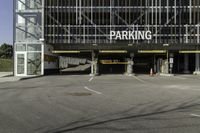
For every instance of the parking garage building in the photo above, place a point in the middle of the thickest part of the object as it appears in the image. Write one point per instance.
(106, 36)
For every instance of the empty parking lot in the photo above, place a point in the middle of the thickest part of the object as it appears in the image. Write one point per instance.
(106, 103)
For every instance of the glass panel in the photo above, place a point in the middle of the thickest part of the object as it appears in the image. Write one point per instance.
(20, 63)
(21, 5)
(28, 4)
(34, 63)
(21, 47)
(20, 35)
(33, 47)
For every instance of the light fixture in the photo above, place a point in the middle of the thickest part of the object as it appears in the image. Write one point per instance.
(152, 51)
(65, 51)
(112, 51)
(189, 51)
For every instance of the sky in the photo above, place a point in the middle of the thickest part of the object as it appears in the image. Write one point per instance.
(6, 21)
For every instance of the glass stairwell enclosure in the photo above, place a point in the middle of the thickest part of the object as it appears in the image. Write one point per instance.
(27, 35)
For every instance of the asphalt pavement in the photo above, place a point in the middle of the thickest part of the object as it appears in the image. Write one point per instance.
(106, 103)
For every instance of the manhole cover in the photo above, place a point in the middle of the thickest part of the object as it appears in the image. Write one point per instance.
(79, 94)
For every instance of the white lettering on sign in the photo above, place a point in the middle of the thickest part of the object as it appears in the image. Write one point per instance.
(130, 35)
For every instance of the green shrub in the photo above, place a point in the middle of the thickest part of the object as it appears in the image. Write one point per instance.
(6, 65)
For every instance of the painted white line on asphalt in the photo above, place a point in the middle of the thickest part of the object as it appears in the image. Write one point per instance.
(91, 79)
(139, 79)
(188, 89)
(179, 77)
(92, 90)
(195, 115)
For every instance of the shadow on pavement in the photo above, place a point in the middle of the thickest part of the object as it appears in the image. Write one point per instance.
(66, 129)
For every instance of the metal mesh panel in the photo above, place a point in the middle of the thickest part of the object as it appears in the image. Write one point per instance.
(90, 21)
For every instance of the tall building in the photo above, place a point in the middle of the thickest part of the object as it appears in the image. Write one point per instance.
(127, 36)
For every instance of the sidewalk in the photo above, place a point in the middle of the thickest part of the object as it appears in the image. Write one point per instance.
(6, 74)
(8, 77)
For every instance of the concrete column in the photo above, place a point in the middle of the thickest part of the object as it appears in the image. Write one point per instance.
(197, 64)
(94, 65)
(129, 68)
(171, 62)
(186, 64)
(167, 65)
(159, 65)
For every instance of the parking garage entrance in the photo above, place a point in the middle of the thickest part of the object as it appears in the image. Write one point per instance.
(142, 63)
(122, 63)
(112, 63)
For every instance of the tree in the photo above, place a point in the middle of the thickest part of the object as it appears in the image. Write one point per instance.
(6, 51)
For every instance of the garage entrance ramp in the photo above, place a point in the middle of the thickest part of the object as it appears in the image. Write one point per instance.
(73, 64)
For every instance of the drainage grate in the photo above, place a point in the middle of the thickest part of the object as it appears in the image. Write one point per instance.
(79, 94)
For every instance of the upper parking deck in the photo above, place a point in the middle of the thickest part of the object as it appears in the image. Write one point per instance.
(90, 21)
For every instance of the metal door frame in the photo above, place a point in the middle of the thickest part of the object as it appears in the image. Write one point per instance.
(25, 63)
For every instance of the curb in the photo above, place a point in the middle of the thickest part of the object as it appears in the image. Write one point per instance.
(31, 77)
